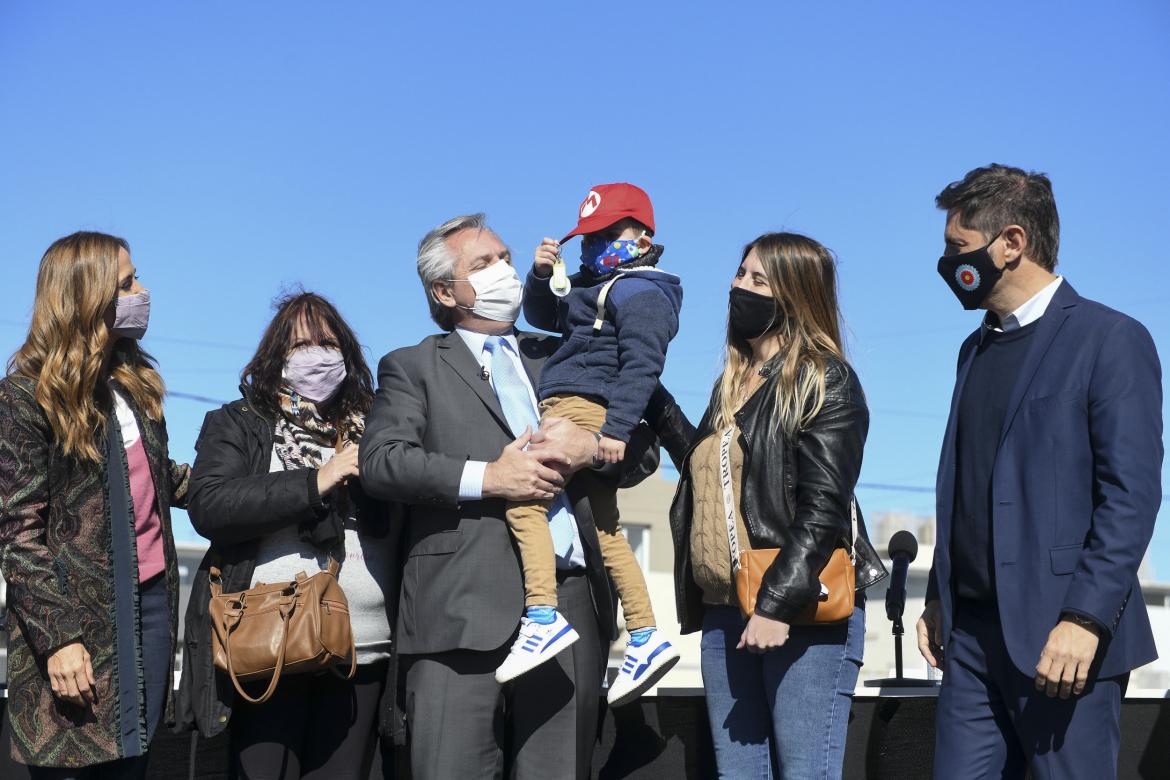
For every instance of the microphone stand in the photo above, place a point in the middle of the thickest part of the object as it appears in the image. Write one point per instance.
(898, 681)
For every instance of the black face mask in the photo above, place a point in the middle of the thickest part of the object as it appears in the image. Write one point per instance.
(751, 315)
(971, 275)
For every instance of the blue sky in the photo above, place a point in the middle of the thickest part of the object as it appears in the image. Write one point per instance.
(242, 147)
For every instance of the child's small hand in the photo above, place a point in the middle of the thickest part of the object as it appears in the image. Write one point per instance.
(611, 450)
(544, 257)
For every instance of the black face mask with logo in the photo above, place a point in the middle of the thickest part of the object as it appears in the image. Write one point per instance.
(751, 315)
(971, 275)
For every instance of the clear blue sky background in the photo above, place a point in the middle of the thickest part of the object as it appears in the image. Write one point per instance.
(245, 146)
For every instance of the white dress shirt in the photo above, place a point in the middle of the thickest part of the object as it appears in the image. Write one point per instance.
(1030, 311)
(471, 481)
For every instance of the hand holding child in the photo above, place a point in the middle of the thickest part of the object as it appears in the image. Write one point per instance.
(545, 255)
(611, 450)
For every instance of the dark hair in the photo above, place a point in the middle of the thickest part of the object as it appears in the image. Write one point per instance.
(624, 223)
(263, 372)
(989, 199)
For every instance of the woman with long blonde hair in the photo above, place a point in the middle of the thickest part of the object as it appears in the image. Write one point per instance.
(777, 453)
(86, 486)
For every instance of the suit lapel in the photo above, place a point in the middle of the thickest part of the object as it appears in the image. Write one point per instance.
(454, 352)
(1046, 329)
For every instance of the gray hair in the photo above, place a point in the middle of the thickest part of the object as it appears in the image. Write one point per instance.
(437, 264)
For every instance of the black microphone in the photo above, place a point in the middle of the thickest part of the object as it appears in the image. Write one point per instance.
(484, 373)
(902, 550)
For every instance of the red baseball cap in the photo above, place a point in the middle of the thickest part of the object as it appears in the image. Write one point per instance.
(609, 203)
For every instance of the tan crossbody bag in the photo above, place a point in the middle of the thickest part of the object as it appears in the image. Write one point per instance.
(284, 628)
(838, 579)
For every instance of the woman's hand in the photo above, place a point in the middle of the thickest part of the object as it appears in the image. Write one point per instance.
(763, 634)
(340, 467)
(71, 674)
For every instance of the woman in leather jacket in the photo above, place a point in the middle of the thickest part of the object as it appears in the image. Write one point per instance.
(786, 422)
(276, 489)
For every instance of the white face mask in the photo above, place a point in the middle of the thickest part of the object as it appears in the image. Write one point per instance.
(498, 292)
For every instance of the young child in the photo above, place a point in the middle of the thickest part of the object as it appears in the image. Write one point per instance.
(617, 316)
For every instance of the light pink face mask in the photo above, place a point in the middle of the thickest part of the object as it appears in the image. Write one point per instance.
(131, 315)
(315, 373)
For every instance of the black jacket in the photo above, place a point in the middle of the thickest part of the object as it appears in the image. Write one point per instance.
(795, 494)
(234, 502)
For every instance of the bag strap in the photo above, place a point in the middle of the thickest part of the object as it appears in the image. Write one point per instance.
(729, 504)
(853, 526)
(285, 611)
(352, 661)
(728, 496)
(601, 297)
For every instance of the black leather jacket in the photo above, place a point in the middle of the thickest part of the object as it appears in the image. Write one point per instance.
(235, 501)
(795, 495)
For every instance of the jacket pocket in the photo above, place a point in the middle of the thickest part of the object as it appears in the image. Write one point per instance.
(440, 543)
(1065, 557)
(1074, 395)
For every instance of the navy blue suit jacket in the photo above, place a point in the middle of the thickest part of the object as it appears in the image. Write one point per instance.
(1076, 484)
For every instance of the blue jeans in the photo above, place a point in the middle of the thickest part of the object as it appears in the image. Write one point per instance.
(784, 713)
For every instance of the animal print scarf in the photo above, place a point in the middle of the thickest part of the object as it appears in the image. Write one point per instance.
(301, 435)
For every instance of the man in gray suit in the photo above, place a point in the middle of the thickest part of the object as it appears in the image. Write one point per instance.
(438, 441)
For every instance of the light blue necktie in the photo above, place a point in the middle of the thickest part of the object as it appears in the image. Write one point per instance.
(512, 392)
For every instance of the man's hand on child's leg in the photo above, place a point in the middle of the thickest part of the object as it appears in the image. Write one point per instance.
(611, 450)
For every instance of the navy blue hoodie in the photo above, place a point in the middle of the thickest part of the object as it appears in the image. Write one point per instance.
(621, 364)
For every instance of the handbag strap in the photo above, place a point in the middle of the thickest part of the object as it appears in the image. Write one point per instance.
(728, 496)
(285, 610)
(729, 504)
(853, 527)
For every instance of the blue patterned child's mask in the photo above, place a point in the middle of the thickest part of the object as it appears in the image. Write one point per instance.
(601, 256)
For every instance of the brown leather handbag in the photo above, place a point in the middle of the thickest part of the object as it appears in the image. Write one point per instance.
(838, 578)
(284, 628)
(838, 585)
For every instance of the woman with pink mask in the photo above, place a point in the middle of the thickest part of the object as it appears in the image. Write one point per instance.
(276, 489)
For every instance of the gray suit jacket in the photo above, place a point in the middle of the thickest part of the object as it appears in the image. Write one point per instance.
(462, 586)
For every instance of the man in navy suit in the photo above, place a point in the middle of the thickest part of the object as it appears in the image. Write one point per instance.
(1048, 486)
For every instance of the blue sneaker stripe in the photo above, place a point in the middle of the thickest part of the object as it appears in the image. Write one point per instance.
(563, 631)
(642, 669)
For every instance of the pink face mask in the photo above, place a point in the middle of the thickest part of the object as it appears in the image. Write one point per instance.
(315, 373)
(131, 315)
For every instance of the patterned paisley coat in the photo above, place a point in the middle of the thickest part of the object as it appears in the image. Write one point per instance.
(57, 554)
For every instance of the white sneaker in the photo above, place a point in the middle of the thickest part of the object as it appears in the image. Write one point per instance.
(641, 669)
(537, 643)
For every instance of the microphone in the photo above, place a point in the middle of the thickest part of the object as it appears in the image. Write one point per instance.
(902, 550)
(484, 374)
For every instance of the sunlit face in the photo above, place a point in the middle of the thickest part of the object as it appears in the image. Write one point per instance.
(127, 284)
(473, 250)
(303, 337)
(959, 239)
(624, 230)
(751, 275)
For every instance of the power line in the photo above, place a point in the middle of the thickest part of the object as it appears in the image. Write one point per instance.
(193, 397)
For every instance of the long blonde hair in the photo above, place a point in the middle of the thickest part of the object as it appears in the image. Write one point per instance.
(64, 352)
(803, 278)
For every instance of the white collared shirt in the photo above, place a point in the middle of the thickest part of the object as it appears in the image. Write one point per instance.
(1030, 311)
(471, 481)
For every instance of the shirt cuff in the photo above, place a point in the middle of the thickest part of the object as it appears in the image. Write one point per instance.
(471, 482)
(1104, 629)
